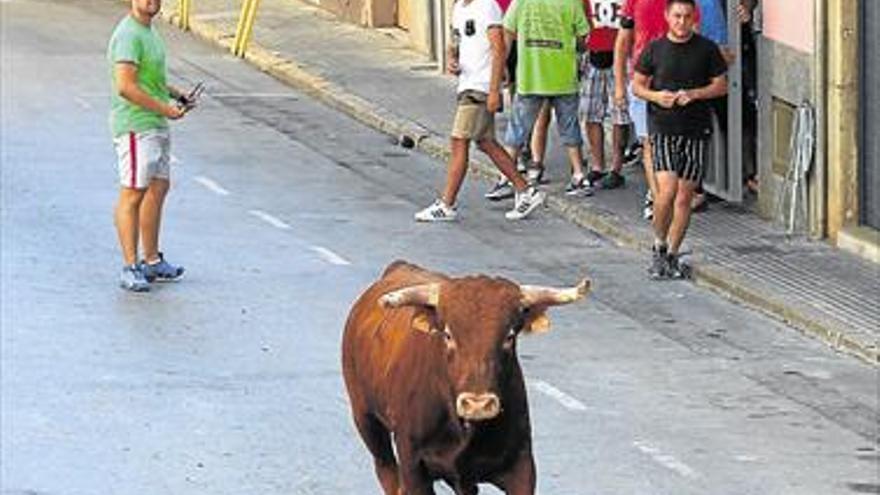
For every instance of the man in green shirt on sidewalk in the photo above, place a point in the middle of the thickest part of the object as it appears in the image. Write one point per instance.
(549, 34)
(141, 105)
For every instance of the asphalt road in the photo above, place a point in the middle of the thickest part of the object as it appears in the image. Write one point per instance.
(283, 211)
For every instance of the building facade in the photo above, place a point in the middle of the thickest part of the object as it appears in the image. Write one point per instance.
(821, 55)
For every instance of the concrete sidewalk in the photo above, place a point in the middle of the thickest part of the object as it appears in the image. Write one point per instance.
(372, 76)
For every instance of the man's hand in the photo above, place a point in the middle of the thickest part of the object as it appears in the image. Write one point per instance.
(452, 66)
(743, 13)
(620, 95)
(174, 112)
(667, 99)
(493, 102)
(684, 97)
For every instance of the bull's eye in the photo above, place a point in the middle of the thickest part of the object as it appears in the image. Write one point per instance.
(510, 338)
(447, 336)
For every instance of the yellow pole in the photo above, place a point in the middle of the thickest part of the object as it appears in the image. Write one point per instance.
(245, 27)
(184, 11)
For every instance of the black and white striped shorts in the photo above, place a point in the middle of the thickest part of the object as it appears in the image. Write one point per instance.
(684, 155)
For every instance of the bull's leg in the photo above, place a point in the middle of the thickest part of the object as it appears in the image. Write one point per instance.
(413, 479)
(521, 478)
(378, 440)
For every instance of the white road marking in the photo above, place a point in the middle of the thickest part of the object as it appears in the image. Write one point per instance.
(329, 256)
(566, 400)
(271, 220)
(666, 460)
(211, 185)
(175, 160)
(79, 100)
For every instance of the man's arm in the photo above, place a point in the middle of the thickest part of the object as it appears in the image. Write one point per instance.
(641, 85)
(127, 87)
(622, 45)
(715, 89)
(499, 55)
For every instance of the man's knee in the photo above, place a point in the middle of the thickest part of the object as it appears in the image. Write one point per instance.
(487, 144)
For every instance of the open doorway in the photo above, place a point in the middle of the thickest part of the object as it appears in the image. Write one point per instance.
(733, 162)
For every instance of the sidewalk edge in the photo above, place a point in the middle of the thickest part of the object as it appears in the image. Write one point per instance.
(711, 276)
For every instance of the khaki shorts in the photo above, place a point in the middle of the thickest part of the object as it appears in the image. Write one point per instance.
(142, 157)
(473, 121)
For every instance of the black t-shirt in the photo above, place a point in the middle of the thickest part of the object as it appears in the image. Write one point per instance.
(674, 66)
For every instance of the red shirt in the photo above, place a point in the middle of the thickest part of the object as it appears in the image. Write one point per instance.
(650, 23)
(604, 18)
(503, 4)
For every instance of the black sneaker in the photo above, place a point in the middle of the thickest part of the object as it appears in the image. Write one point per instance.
(613, 180)
(632, 154)
(595, 176)
(659, 268)
(676, 268)
(579, 187)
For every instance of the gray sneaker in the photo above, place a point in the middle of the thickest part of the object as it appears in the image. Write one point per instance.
(502, 189)
(132, 279)
(161, 271)
(659, 268)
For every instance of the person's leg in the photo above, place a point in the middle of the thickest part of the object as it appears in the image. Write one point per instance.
(681, 216)
(617, 136)
(150, 218)
(566, 109)
(503, 161)
(691, 156)
(596, 138)
(539, 134)
(126, 216)
(456, 170)
(665, 151)
(664, 201)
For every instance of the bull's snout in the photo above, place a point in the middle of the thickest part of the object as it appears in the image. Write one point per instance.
(476, 407)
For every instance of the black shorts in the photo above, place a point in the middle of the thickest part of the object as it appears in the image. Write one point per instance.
(683, 155)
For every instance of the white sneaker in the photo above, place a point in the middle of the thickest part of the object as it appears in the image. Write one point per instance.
(648, 206)
(437, 212)
(525, 203)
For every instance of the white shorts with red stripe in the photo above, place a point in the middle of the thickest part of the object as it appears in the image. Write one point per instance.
(142, 157)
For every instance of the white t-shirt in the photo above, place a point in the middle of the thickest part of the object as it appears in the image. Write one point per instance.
(470, 24)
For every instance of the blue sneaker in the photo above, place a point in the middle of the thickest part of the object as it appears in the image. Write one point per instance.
(132, 279)
(161, 271)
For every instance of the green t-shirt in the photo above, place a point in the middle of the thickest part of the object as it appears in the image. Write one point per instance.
(141, 45)
(547, 33)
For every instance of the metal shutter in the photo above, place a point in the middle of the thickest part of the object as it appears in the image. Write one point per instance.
(870, 142)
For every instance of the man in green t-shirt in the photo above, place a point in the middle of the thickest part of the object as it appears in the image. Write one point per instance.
(549, 34)
(140, 107)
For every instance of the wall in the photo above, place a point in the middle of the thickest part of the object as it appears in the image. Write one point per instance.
(788, 74)
(372, 13)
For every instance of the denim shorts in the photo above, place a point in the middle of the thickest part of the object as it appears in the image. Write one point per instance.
(638, 112)
(526, 109)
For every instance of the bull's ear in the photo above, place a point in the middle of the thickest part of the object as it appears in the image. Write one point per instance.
(537, 322)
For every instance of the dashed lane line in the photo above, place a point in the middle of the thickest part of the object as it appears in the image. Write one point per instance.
(666, 460)
(566, 400)
(329, 256)
(270, 219)
(211, 185)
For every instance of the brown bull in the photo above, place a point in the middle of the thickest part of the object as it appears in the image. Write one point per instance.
(432, 373)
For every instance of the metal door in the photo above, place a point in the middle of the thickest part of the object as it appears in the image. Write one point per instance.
(724, 177)
(869, 173)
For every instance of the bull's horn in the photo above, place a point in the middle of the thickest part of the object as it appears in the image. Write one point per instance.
(533, 295)
(422, 295)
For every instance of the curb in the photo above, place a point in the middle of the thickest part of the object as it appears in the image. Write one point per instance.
(714, 277)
